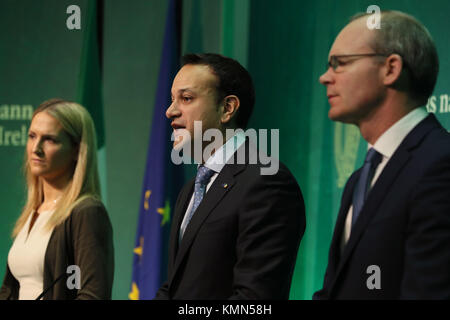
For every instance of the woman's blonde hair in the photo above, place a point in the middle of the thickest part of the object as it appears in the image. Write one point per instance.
(77, 123)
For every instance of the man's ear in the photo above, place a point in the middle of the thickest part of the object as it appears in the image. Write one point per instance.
(231, 105)
(392, 69)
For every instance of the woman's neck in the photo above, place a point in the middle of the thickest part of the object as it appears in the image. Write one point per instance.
(54, 189)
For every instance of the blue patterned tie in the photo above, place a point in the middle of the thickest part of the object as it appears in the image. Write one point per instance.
(204, 174)
(362, 187)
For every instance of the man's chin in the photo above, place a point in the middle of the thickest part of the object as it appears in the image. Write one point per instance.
(178, 145)
(183, 142)
(335, 115)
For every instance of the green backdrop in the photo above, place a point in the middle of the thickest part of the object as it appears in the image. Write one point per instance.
(283, 43)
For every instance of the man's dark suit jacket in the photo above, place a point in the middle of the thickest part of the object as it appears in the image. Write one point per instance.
(403, 228)
(241, 242)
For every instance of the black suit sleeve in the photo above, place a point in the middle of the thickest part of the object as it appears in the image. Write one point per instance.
(163, 292)
(322, 294)
(427, 252)
(271, 225)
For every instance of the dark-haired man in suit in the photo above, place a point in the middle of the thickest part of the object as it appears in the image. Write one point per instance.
(235, 231)
(392, 234)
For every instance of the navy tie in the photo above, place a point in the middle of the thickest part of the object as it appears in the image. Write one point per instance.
(204, 174)
(362, 187)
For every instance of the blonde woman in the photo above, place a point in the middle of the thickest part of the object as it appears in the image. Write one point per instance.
(63, 245)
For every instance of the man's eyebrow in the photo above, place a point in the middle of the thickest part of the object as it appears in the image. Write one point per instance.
(186, 90)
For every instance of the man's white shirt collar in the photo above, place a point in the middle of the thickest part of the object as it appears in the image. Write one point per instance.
(389, 141)
(218, 160)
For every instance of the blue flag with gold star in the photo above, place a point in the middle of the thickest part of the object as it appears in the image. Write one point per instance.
(161, 177)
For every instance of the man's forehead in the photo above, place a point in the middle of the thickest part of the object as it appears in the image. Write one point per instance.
(196, 72)
(194, 78)
(354, 38)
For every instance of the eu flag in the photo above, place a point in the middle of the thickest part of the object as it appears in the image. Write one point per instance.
(160, 181)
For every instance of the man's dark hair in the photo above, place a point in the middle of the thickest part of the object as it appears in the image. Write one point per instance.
(233, 79)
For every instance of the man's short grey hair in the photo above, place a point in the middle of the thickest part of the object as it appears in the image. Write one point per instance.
(404, 35)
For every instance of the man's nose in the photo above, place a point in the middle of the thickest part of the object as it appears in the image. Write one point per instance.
(327, 77)
(172, 111)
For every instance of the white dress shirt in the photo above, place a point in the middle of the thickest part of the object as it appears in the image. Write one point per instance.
(386, 145)
(216, 163)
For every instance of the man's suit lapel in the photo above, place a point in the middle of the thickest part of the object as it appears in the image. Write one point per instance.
(374, 199)
(223, 184)
(178, 216)
(346, 201)
(380, 188)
